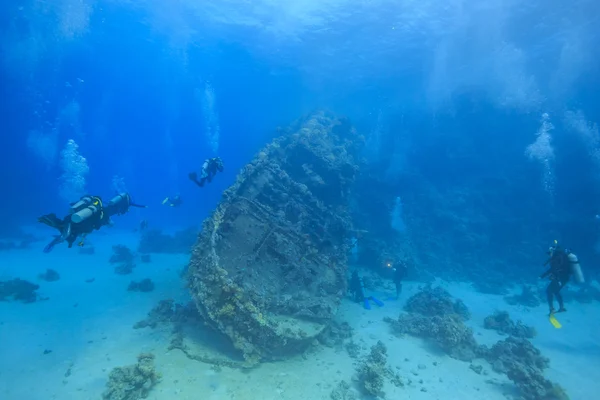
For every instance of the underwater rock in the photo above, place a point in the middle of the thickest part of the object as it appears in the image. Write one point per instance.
(527, 298)
(436, 301)
(145, 285)
(500, 321)
(132, 382)
(49, 276)
(18, 290)
(524, 365)
(269, 267)
(155, 241)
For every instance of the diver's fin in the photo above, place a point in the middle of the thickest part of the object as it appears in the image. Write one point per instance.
(554, 321)
(57, 239)
(51, 220)
(377, 301)
(366, 303)
(165, 200)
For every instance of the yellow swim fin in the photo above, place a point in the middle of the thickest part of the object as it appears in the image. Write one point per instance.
(554, 321)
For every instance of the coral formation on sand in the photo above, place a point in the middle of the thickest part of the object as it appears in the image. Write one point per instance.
(514, 356)
(287, 219)
(132, 382)
(49, 276)
(448, 332)
(435, 315)
(372, 372)
(124, 258)
(18, 290)
(436, 301)
(145, 285)
(524, 365)
(500, 321)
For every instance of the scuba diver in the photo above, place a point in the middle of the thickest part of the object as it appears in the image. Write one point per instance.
(208, 171)
(174, 201)
(399, 275)
(358, 294)
(563, 263)
(86, 215)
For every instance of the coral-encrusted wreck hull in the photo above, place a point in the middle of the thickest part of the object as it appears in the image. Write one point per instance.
(269, 268)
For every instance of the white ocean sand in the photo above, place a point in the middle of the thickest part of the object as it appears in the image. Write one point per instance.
(88, 329)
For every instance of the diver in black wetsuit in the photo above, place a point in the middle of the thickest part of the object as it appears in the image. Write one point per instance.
(356, 289)
(559, 273)
(208, 171)
(399, 275)
(86, 215)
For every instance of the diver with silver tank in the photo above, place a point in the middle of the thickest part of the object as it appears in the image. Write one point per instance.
(86, 215)
(562, 265)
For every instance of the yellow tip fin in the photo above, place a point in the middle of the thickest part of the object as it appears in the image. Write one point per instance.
(554, 321)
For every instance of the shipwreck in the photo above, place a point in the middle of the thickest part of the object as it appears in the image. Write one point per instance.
(269, 268)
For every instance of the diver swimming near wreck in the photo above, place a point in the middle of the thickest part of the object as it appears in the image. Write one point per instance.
(86, 215)
(208, 171)
(563, 263)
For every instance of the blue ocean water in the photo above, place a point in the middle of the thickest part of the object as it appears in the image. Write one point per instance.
(482, 117)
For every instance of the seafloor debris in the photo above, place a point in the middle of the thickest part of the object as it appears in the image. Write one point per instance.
(132, 382)
(145, 285)
(501, 322)
(524, 365)
(18, 290)
(49, 276)
(155, 241)
(269, 268)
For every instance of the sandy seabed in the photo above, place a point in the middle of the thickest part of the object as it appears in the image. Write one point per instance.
(86, 330)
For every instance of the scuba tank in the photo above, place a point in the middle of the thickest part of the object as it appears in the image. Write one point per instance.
(85, 208)
(84, 214)
(83, 202)
(576, 268)
(118, 204)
